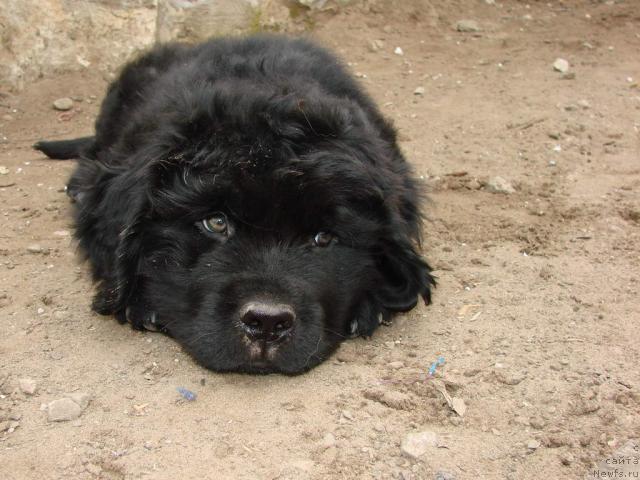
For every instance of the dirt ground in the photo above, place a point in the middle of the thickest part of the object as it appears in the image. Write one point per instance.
(536, 312)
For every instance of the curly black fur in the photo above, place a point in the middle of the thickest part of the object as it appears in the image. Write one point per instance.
(275, 135)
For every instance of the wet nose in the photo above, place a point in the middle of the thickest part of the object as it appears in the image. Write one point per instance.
(267, 321)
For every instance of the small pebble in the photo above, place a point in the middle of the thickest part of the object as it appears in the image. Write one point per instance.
(35, 248)
(444, 476)
(398, 51)
(467, 26)
(584, 104)
(376, 45)
(63, 104)
(533, 444)
(419, 91)
(509, 378)
(396, 365)
(566, 458)
(499, 185)
(27, 385)
(63, 410)
(561, 65)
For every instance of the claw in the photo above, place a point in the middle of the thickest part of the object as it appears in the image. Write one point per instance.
(150, 322)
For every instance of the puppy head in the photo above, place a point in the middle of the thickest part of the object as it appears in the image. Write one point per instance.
(264, 231)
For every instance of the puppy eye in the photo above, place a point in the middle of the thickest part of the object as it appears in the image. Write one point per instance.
(322, 239)
(217, 223)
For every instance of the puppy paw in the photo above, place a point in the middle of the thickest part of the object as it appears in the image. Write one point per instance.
(368, 318)
(142, 319)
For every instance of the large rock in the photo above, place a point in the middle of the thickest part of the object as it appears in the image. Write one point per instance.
(44, 37)
(195, 20)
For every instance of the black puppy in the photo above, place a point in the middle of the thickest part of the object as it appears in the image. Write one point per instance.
(246, 197)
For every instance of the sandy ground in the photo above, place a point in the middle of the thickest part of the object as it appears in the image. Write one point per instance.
(536, 313)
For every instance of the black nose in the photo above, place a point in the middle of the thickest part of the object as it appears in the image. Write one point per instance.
(267, 321)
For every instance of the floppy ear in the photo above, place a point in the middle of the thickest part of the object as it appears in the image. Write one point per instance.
(406, 276)
(114, 244)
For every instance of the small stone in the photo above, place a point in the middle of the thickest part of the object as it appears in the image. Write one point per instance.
(376, 45)
(398, 51)
(63, 410)
(35, 248)
(561, 65)
(533, 444)
(63, 104)
(348, 415)
(81, 398)
(7, 117)
(467, 26)
(3, 170)
(396, 365)
(12, 427)
(27, 385)
(509, 378)
(61, 233)
(584, 104)
(419, 91)
(566, 458)
(499, 185)
(444, 476)
(417, 444)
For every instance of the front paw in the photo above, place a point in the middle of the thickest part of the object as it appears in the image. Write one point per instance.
(141, 318)
(367, 318)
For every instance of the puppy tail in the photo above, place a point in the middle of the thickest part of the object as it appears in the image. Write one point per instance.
(65, 149)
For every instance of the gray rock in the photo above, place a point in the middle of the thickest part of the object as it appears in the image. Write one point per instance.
(27, 385)
(419, 91)
(561, 65)
(376, 45)
(63, 104)
(468, 26)
(68, 408)
(35, 248)
(509, 378)
(533, 444)
(81, 398)
(417, 444)
(499, 185)
(444, 476)
(63, 410)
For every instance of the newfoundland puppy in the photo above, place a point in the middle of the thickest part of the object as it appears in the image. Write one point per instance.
(246, 197)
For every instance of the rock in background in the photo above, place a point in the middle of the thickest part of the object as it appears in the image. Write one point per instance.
(45, 37)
